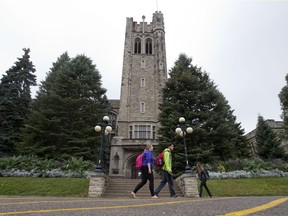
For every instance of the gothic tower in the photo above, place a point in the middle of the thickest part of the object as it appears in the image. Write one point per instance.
(144, 75)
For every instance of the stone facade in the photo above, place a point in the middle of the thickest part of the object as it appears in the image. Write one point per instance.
(277, 126)
(144, 74)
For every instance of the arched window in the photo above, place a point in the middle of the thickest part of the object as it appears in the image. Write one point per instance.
(142, 107)
(142, 82)
(148, 46)
(113, 118)
(115, 170)
(116, 161)
(142, 63)
(137, 46)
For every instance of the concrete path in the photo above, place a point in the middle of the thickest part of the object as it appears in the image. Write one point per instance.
(51, 206)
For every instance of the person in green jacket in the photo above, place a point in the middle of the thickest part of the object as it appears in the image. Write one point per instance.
(167, 173)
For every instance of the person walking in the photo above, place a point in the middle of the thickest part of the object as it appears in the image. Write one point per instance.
(146, 172)
(203, 176)
(167, 175)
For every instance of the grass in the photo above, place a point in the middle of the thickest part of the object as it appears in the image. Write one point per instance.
(78, 187)
(265, 186)
(25, 186)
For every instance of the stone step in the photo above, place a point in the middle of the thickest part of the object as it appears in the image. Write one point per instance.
(123, 188)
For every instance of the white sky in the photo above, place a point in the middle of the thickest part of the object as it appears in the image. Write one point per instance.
(242, 45)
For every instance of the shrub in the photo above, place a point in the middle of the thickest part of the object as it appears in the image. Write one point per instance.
(35, 167)
(231, 165)
(247, 165)
(221, 168)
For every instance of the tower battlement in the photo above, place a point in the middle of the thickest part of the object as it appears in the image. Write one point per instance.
(156, 24)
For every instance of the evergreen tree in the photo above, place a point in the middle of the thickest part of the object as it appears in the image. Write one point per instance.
(67, 107)
(15, 97)
(191, 94)
(283, 96)
(267, 142)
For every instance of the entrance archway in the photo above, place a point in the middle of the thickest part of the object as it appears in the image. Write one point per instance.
(136, 173)
(131, 171)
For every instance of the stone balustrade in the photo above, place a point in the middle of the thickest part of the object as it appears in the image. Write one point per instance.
(188, 185)
(97, 185)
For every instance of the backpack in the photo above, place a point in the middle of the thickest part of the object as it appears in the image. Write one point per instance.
(160, 160)
(139, 161)
(204, 175)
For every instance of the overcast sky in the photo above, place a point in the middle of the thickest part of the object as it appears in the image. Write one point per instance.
(242, 45)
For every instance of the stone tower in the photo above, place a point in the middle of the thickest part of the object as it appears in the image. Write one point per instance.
(144, 75)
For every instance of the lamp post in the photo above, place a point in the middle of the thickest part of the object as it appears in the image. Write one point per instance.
(182, 129)
(104, 124)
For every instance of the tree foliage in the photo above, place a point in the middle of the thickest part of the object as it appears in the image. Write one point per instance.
(67, 107)
(15, 98)
(283, 96)
(267, 142)
(190, 93)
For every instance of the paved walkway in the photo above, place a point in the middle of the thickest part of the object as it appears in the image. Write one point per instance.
(228, 206)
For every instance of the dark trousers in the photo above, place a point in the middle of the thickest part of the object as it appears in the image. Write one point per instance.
(203, 184)
(167, 177)
(145, 176)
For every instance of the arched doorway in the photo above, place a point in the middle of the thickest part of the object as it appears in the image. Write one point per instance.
(131, 171)
(136, 173)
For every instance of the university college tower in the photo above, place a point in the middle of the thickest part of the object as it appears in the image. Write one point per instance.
(144, 74)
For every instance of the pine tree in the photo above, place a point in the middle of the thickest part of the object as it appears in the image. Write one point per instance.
(67, 107)
(15, 98)
(267, 142)
(283, 96)
(189, 93)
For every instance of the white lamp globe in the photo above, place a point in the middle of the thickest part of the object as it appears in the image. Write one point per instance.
(108, 129)
(178, 130)
(181, 119)
(106, 132)
(189, 130)
(97, 128)
(182, 134)
(106, 118)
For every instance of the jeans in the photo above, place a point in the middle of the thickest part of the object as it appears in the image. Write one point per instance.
(167, 177)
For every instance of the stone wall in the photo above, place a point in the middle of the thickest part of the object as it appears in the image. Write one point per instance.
(97, 184)
(188, 185)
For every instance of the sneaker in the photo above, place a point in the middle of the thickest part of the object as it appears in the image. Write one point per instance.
(175, 196)
(154, 197)
(133, 195)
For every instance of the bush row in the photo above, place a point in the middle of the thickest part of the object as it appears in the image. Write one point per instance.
(77, 167)
(247, 174)
(252, 165)
(35, 167)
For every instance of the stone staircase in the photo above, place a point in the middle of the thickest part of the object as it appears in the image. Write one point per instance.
(123, 187)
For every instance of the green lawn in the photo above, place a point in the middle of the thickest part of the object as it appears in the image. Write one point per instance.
(265, 186)
(25, 186)
(77, 187)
